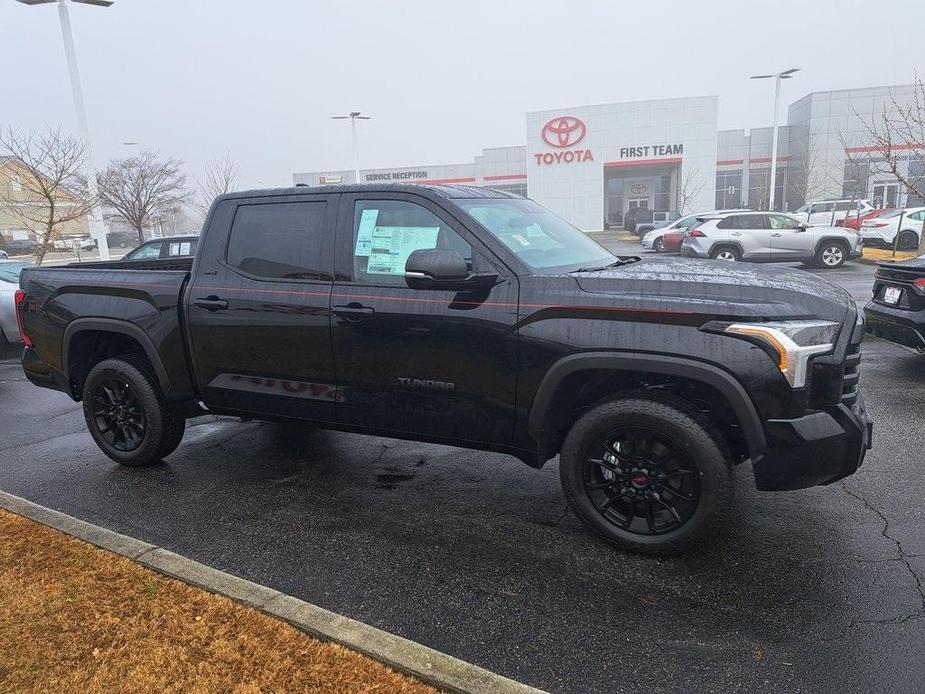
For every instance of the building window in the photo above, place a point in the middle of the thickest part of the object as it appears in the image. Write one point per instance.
(857, 176)
(759, 191)
(728, 189)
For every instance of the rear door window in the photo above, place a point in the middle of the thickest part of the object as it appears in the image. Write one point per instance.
(278, 241)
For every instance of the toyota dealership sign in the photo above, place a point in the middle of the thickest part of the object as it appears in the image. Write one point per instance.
(562, 133)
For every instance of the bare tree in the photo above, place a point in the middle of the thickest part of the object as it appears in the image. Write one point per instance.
(52, 192)
(140, 189)
(689, 189)
(897, 137)
(220, 177)
(806, 179)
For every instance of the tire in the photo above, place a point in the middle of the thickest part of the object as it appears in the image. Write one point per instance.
(696, 444)
(908, 240)
(726, 253)
(125, 412)
(831, 254)
(659, 246)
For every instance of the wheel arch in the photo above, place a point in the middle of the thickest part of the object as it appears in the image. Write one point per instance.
(555, 394)
(832, 239)
(87, 337)
(727, 244)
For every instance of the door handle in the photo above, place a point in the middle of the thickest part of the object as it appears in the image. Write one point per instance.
(736, 233)
(777, 233)
(354, 311)
(211, 303)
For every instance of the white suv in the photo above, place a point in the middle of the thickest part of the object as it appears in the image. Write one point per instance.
(828, 212)
(770, 237)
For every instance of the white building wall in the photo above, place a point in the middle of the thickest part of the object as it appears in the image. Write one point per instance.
(575, 190)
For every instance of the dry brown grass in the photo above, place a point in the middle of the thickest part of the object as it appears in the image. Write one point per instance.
(883, 254)
(77, 618)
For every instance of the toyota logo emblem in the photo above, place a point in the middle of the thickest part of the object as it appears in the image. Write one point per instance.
(563, 131)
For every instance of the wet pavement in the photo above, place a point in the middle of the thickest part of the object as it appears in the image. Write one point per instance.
(476, 555)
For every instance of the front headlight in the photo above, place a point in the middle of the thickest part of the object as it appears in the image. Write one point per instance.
(794, 342)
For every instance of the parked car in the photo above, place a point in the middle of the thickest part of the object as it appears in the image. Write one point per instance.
(668, 238)
(647, 220)
(629, 219)
(828, 212)
(9, 283)
(770, 237)
(881, 231)
(854, 220)
(897, 310)
(167, 247)
(448, 314)
(20, 247)
(122, 239)
(80, 243)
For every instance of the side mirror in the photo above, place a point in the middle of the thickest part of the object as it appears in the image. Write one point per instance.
(444, 270)
(802, 227)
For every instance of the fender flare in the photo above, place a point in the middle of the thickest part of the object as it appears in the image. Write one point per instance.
(121, 327)
(717, 378)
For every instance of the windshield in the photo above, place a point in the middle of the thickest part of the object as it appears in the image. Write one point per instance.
(9, 271)
(536, 236)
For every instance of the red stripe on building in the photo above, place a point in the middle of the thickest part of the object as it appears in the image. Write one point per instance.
(444, 180)
(766, 160)
(729, 162)
(877, 148)
(642, 162)
(506, 177)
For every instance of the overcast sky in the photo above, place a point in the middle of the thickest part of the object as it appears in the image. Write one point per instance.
(258, 79)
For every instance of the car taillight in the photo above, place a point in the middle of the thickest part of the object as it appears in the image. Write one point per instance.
(18, 298)
(919, 282)
(696, 233)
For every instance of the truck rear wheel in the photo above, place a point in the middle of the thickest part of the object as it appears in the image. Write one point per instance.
(648, 473)
(125, 412)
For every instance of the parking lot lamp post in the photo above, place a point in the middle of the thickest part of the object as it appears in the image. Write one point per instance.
(785, 75)
(97, 230)
(354, 116)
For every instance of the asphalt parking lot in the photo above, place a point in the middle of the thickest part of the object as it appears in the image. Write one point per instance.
(476, 555)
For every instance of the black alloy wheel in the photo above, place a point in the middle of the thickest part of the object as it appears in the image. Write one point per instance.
(642, 481)
(120, 418)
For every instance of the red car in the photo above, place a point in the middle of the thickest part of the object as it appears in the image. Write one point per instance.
(855, 222)
(672, 240)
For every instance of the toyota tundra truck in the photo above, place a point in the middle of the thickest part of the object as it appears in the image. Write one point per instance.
(475, 318)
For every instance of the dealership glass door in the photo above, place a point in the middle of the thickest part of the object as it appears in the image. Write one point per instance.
(640, 203)
(885, 195)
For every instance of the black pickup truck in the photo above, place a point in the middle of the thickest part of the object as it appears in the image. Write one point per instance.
(475, 318)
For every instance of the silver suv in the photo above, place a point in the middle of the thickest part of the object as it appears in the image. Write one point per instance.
(770, 237)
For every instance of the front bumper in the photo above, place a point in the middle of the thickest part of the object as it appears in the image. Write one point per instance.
(819, 448)
(902, 326)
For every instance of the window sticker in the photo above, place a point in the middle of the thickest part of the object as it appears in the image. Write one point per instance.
(174, 249)
(365, 232)
(184, 248)
(391, 246)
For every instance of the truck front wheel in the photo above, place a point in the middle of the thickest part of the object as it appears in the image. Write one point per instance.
(125, 412)
(648, 473)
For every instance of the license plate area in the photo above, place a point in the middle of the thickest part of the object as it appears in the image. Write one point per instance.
(892, 295)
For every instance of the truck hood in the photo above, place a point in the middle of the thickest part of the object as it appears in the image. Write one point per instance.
(720, 289)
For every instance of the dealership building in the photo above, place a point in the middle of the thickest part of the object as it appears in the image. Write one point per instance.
(590, 164)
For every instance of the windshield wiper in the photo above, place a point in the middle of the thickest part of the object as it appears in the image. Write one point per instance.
(623, 260)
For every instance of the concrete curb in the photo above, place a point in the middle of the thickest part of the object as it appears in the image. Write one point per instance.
(426, 664)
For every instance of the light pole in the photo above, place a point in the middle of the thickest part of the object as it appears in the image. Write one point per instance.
(97, 230)
(354, 116)
(785, 75)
